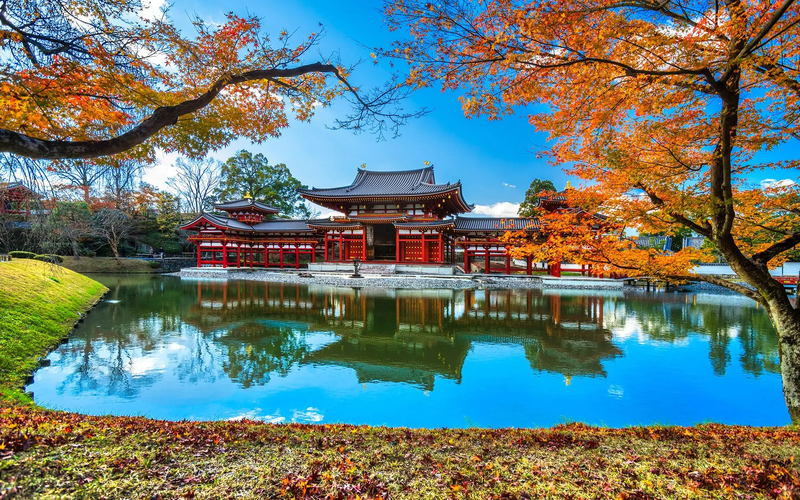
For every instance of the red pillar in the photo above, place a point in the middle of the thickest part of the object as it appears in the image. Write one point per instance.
(238, 255)
(296, 257)
(326, 247)
(198, 254)
(364, 243)
(224, 253)
(341, 246)
(528, 262)
(466, 259)
(508, 263)
(424, 248)
(397, 251)
(280, 246)
(266, 256)
(441, 248)
(487, 259)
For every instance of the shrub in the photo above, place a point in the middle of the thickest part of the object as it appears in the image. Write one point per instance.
(19, 254)
(49, 257)
(153, 264)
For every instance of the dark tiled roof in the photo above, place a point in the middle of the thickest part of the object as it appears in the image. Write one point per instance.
(283, 226)
(424, 224)
(247, 203)
(396, 183)
(221, 222)
(491, 224)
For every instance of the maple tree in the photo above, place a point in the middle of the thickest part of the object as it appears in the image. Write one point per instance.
(91, 78)
(662, 107)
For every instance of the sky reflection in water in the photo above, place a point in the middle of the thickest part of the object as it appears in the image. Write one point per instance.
(178, 349)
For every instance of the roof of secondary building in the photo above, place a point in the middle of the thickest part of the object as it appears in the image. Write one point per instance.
(425, 224)
(390, 184)
(496, 224)
(247, 204)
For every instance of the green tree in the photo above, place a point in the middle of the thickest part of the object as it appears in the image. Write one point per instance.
(168, 213)
(248, 174)
(528, 207)
(72, 221)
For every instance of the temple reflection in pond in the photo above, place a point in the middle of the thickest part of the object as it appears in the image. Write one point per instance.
(407, 336)
(172, 348)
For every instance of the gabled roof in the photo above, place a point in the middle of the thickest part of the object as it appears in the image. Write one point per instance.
(390, 184)
(495, 224)
(15, 186)
(220, 222)
(247, 204)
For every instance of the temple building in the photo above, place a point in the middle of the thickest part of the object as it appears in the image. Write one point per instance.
(18, 199)
(393, 217)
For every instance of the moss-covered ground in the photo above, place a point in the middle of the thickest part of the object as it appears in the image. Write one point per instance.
(51, 454)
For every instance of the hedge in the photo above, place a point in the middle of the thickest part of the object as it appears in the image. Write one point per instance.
(48, 257)
(19, 254)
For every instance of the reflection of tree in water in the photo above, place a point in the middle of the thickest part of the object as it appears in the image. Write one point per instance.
(672, 318)
(572, 353)
(110, 352)
(255, 351)
(250, 331)
(377, 358)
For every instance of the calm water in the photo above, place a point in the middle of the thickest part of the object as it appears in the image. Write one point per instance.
(185, 349)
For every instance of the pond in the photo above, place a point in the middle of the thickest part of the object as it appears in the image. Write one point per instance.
(172, 348)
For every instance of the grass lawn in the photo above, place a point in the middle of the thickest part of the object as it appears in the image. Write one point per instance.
(39, 303)
(52, 454)
(107, 265)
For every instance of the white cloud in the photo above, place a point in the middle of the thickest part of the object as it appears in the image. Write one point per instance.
(775, 183)
(162, 170)
(310, 416)
(152, 9)
(500, 209)
(509, 185)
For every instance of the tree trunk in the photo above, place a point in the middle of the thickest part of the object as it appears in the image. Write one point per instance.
(784, 316)
(787, 323)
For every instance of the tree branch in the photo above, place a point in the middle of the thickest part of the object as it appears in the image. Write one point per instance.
(776, 249)
(164, 116)
(736, 287)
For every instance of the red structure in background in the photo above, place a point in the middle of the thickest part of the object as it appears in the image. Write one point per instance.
(246, 238)
(399, 217)
(16, 198)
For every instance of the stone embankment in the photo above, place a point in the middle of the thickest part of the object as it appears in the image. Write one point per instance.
(390, 281)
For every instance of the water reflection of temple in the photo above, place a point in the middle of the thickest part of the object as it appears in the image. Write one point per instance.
(412, 336)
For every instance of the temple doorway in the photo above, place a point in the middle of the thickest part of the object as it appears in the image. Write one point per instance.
(384, 242)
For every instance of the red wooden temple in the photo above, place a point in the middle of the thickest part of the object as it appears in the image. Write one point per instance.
(398, 217)
(16, 198)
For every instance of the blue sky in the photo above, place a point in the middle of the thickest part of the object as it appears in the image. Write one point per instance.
(495, 160)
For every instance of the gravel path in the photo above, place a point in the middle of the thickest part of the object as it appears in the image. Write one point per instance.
(377, 281)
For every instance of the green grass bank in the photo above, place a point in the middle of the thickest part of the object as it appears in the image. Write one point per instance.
(39, 304)
(53, 454)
